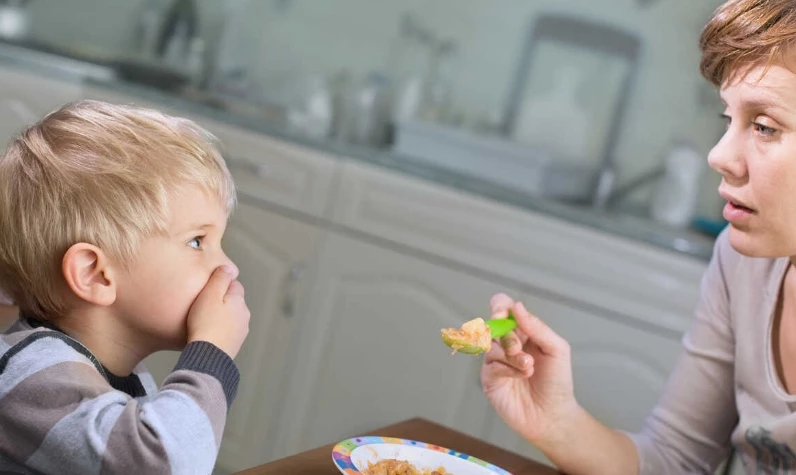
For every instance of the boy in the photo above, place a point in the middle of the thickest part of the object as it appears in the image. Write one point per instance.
(111, 221)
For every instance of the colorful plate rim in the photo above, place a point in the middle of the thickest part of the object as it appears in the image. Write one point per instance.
(341, 453)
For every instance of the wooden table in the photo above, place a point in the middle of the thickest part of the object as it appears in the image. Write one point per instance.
(319, 461)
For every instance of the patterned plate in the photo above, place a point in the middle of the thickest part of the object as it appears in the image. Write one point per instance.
(351, 456)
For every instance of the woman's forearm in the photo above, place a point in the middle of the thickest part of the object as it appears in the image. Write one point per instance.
(581, 444)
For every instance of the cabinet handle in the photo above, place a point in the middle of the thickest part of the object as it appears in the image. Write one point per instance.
(249, 167)
(292, 280)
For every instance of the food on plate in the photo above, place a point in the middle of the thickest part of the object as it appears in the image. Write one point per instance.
(400, 467)
(473, 338)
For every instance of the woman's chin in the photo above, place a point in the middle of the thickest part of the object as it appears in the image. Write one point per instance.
(751, 244)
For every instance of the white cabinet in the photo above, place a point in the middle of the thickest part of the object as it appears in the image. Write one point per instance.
(609, 297)
(637, 280)
(276, 171)
(25, 98)
(370, 348)
(274, 255)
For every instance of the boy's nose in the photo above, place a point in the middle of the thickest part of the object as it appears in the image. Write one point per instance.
(227, 262)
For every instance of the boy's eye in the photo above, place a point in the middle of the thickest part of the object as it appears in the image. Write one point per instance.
(196, 242)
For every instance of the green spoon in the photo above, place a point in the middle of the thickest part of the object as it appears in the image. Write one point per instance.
(500, 327)
(463, 342)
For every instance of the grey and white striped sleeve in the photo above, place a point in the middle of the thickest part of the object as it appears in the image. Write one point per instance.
(58, 414)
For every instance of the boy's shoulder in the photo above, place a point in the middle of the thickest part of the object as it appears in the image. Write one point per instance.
(25, 344)
(30, 351)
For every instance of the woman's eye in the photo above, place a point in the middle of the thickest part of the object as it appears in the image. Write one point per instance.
(763, 130)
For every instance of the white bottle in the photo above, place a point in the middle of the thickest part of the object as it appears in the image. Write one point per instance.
(675, 198)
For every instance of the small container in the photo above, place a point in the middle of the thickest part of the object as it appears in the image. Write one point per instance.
(14, 20)
(370, 111)
(675, 199)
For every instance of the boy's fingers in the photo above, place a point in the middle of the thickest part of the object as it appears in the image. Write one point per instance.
(235, 289)
(219, 282)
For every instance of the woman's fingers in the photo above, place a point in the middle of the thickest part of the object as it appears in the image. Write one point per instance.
(500, 305)
(539, 334)
(521, 361)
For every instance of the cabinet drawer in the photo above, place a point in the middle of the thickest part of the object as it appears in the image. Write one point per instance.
(277, 171)
(263, 167)
(573, 262)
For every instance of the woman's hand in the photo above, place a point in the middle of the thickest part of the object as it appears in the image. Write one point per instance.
(528, 376)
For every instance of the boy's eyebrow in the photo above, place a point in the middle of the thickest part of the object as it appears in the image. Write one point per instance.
(195, 227)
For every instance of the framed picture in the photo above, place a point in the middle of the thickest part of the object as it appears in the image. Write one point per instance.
(571, 87)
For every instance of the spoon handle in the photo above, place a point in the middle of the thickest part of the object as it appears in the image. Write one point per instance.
(500, 327)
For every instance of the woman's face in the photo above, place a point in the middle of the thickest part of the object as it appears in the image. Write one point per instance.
(756, 158)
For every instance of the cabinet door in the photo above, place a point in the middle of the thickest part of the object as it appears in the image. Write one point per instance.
(619, 370)
(26, 98)
(371, 353)
(273, 254)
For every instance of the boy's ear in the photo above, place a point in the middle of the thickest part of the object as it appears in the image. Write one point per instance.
(89, 274)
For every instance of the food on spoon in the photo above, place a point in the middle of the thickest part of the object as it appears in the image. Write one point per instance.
(472, 338)
(400, 467)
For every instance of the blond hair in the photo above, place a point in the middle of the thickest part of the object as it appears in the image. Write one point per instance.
(97, 173)
(743, 33)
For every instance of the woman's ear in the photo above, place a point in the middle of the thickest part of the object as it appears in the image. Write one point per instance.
(89, 274)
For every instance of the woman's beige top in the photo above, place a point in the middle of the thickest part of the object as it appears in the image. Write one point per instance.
(725, 388)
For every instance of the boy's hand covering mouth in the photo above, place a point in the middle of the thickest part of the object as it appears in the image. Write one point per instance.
(219, 314)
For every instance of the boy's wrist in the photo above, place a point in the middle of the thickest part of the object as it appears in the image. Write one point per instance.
(207, 358)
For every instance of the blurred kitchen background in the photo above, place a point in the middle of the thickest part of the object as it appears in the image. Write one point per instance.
(579, 101)
(553, 147)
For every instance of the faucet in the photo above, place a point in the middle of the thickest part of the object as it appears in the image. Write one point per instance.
(608, 196)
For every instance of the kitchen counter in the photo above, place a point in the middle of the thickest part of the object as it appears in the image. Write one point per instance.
(679, 241)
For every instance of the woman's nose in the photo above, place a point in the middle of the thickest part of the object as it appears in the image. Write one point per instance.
(726, 157)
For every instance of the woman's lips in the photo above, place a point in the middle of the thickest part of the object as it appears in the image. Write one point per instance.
(734, 212)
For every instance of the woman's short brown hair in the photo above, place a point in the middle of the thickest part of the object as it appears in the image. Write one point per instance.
(743, 33)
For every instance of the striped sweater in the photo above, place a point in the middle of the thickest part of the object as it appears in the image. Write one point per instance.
(62, 412)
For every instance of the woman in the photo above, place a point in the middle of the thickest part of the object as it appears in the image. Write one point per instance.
(735, 383)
